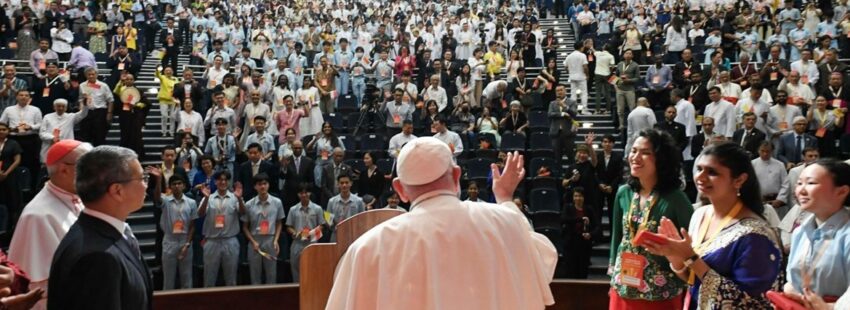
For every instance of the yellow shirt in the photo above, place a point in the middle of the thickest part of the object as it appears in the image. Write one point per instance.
(131, 35)
(166, 88)
(126, 6)
(495, 62)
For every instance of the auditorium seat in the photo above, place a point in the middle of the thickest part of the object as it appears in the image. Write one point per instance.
(545, 182)
(372, 142)
(513, 142)
(491, 154)
(544, 199)
(478, 168)
(546, 219)
(538, 162)
(538, 121)
(540, 145)
(385, 165)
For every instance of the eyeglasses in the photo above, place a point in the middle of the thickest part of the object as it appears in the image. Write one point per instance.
(145, 178)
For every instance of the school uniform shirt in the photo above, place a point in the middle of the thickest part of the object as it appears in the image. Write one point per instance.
(223, 209)
(177, 214)
(262, 215)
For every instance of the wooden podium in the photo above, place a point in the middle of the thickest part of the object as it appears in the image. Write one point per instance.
(319, 260)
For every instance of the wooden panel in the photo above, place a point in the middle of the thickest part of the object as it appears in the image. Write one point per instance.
(318, 263)
(569, 294)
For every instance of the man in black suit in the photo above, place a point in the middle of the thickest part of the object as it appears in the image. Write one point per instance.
(684, 70)
(791, 145)
(561, 114)
(98, 264)
(675, 129)
(609, 172)
(190, 88)
(330, 173)
(255, 165)
(697, 92)
(700, 141)
(299, 169)
(749, 137)
(171, 44)
(122, 61)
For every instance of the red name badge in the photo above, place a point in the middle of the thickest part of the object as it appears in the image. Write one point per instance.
(219, 221)
(324, 155)
(686, 73)
(631, 269)
(56, 132)
(264, 227)
(783, 125)
(836, 103)
(42, 64)
(324, 82)
(177, 227)
(120, 66)
(774, 76)
(396, 119)
(821, 132)
(45, 92)
(305, 233)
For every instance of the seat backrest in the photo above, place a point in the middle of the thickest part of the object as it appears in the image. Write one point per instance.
(478, 167)
(513, 142)
(537, 162)
(540, 141)
(538, 120)
(349, 142)
(385, 165)
(544, 199)
(371, 142)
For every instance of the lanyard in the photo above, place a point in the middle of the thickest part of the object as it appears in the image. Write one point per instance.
(699, 248)
(836, 94)
(647, 209)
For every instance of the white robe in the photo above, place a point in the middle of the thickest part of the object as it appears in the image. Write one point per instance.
(64, 123)
(447, 254)
(43, 224)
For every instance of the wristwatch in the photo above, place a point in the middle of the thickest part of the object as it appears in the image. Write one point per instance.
(690, 261)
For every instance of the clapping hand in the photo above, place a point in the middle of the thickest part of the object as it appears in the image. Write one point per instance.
(678, 247)
(205, 190)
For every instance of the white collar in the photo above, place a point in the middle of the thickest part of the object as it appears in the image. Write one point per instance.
(114, 222)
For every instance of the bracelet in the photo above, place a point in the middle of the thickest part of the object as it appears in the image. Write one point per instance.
(678, 270)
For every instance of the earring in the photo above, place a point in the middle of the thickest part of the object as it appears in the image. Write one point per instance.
(739, 192)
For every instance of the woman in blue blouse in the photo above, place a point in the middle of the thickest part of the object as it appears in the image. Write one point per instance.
(730, 256)
(818, 264)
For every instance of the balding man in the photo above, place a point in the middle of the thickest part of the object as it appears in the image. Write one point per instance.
(98, 265)
(49, 216)
(406, 258)
(330, 174)
(791, 145)
(59, 125)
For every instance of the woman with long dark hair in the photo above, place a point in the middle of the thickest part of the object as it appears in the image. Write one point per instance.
(730, 256)
(640, 280)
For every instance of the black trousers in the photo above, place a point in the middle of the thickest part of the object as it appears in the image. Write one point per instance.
(564, 144)
(131, 123)
(94, 127)
(31, 146)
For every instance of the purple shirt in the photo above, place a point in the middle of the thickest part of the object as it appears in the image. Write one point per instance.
(82, 58)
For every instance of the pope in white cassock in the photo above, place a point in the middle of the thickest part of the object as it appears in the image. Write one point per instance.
(444, 253)
(49, 216)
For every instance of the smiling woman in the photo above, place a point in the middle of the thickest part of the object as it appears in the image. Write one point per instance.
(640, 280)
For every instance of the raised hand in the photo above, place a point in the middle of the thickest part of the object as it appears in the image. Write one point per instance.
(505, 182)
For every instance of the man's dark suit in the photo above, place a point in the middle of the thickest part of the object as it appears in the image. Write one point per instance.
(677, 131)
(245, 175)
(95, 267)
(787, 146)
(697, 143)
(329, 180)
(561, 128)
(294, 176)
(197, 96)
(611, 175)
(754, 139)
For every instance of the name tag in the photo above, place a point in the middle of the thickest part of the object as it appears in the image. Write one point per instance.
(177, 227)
(121, 66)
(219, 221)
(632, 267)
(264, 227)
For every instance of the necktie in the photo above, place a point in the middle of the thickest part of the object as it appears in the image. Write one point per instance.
(134, 243)
(255, 168)
(798, 149)
(744, 139)
(297, 164)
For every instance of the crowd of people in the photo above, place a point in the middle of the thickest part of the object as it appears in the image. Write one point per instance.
(728, 105)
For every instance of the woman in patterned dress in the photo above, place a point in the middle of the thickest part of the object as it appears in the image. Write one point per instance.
(730, 256)
(97, 30)
(639, 279)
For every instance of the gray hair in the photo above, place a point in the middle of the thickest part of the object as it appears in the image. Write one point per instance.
(100, 168)
(71, 157)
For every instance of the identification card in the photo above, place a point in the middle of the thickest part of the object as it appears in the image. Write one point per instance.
(305, 233)
(324, 82)
(219, 221)
(732, 100)
(212, 83)
(590, 57)
(45, 92)
(396, 119)
(836, 103)
(126, 106)
(631, 269)
(686, 73)
(656, 79)
(42, 64)
(324, 155)
(264, 227)
(774, 76)
(120, 66)
(504, 104)
(783, 125)
(821, 132)
(56, 132)
(177, 227)
(691, 99)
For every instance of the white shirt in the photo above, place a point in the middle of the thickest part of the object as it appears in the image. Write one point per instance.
(397, 141)
(61, 40)
(639, 119)
(452, 139)
(64, 123)
(42, 225)
(16, 115)
(808, 69)
(405, 259)
(771, 174)
(604, 62)
(99, 92)
(759, 107)
(723, 114)
(191, 121)
(439, 95)
(575, 63)
(686, 115)
(214, 76)
(782, 115)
